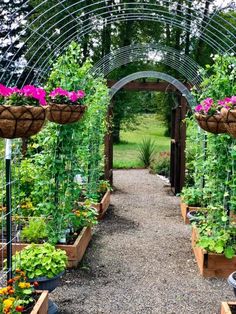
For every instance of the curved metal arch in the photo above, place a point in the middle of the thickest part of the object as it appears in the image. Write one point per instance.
(152, 52)
(153, 74)
(130, 11)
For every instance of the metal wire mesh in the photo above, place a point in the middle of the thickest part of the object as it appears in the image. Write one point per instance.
(44, 36)
(58, 24)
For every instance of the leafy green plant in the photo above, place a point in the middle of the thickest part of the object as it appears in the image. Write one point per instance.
(36, 231)
(216, 234)
(42, 260)
(147, 151)
(218, 78)
(161, 164)
(61, 152)
(192, 196)
(84, 216)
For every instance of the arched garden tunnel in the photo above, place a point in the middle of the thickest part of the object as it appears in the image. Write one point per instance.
(178, 129)
(56, 59)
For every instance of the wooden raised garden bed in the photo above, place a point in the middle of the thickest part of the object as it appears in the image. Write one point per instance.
(212, 264)
(41, 306)
(185, 209)
(103, 205)
(228, 308)
(75, 252)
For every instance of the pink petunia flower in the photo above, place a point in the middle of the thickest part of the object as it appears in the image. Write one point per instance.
(80, 94)
(5, 91)
(198, 108)
(233, 100)
(208, 101)
(73, 96)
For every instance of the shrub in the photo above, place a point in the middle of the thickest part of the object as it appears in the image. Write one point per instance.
(146, 151)
(192, 196)
(162, 164)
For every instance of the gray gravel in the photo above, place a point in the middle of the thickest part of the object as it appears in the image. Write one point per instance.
(140, 259)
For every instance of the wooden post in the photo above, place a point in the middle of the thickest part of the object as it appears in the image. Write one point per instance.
(178, 139)
(183, 111)
(109, 146)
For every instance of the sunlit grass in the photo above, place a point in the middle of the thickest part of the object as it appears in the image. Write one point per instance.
(126, 153)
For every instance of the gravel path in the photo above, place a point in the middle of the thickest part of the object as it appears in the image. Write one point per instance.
(140, 259)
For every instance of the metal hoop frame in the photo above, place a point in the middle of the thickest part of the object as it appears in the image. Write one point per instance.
(216, 31)
(154, 74)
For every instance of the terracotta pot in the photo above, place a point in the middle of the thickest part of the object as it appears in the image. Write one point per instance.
(213, 124)
(21, 121)
(64, 114)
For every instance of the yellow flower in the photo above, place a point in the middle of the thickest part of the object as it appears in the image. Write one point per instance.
(3, 291)
(24, 285)
(84, 214)
(7, 304)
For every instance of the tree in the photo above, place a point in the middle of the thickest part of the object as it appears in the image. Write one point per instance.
(12, 15)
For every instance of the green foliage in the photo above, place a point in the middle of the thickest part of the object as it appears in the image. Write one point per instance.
(147, 150)
(161, 164)
(216, 235)
(192, 196)
(61, 152)
(35, 231)
(42, 260)
(84, 216)
(219, 79)
(210, 160)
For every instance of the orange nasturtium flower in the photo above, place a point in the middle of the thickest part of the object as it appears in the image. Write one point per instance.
(19, 308)
(10, 281)
(36, 284)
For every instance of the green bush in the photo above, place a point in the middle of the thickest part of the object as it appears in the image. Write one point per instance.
(162, 164)
(192, 196)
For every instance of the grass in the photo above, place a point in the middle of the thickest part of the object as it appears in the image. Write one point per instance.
(126, 152)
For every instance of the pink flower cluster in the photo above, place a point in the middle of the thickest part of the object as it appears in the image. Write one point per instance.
(35, 92)
(208, 105)
(29, 91)
(228, 102)
(72, 96)
(7, 91)
(204, 106)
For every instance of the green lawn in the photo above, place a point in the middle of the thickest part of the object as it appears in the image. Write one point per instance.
(126, 153)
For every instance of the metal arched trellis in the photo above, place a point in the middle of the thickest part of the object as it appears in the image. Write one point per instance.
(48, 28)
(54, 27)
(178, 135)
(158, 75)
(157, 53)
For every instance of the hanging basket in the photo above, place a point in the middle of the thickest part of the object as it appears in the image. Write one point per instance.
(21, 121)
(64, 114)
(213, 124)
(229, 118)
